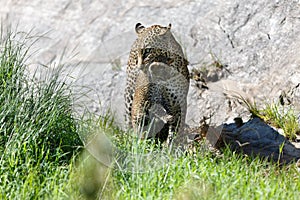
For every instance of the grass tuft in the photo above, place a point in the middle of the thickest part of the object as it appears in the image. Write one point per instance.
(276, 115)
(38, 133)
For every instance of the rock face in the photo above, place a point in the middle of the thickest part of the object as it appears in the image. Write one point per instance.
(254, 45)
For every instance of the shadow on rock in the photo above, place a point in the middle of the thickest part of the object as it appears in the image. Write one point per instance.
(254, 138)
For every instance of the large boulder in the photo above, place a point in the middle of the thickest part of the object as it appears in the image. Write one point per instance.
(249, 48)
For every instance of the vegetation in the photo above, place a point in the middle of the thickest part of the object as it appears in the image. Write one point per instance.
(277, 116)
(38, 133)
(143, 171)
(41, 155)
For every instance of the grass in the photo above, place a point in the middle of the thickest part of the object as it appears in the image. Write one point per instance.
(142, 170)
(276, 115)
(282, 117)
(38, 133)
(145, 172)
(41, 155)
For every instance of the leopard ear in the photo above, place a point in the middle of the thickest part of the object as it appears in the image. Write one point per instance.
(169, 26)
(138, 28)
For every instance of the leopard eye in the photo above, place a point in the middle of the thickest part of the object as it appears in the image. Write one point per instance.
(146, 52)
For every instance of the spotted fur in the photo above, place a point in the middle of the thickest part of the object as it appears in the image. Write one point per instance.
(157, 82)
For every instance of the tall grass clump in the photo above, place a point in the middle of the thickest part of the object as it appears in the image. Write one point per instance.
(38, 131)
(282, 117)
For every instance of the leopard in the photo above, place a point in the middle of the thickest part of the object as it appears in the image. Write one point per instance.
(157, 83)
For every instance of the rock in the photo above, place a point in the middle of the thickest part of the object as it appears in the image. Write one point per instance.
(291, 96)
(256, 138)
(258, 42)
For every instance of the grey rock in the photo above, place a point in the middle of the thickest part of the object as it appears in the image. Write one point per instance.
(258, 42)
(256, 138)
